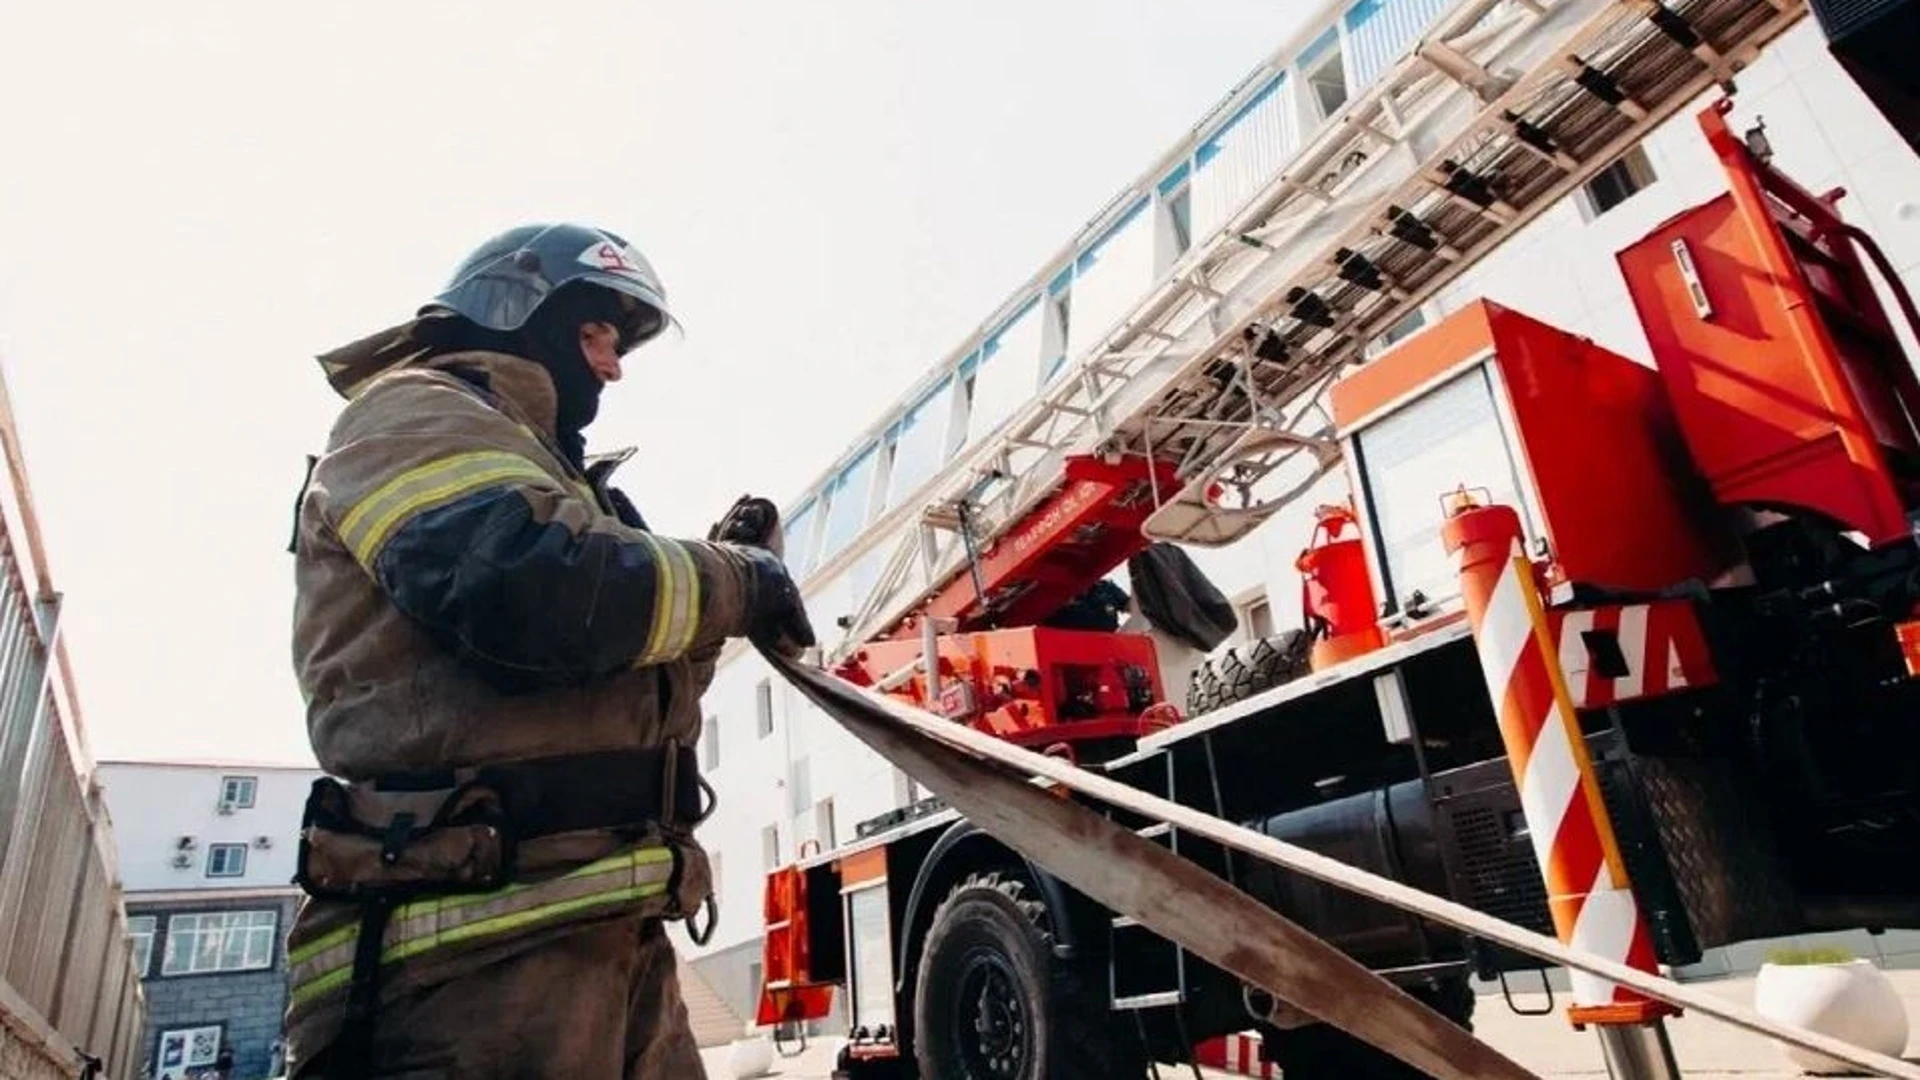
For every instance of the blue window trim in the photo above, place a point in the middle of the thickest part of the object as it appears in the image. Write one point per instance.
(1175, 178)
(1091, 253)
(1361, 13)
(992, 343)
(1210, 148)
(1320, 45)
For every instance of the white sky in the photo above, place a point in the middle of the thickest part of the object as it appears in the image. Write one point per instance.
(198, 197)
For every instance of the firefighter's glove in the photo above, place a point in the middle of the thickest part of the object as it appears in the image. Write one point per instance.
(753, 522)
(776, 616)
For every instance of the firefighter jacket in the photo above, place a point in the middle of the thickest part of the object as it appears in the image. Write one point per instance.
(468, 601)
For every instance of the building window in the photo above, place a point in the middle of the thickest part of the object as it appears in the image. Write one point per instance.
(1180, 215)
(710, 743)
(1408, 325)
(236, 792)
(770, 847)
(1256, 617)
(140, 933)
(219, 941)
(763, 706)
(226, 860)
(1631, 173)
(1325, 72)
(823, 825)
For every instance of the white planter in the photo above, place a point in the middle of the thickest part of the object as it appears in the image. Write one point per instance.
(750, 1057)
(1853, 1001)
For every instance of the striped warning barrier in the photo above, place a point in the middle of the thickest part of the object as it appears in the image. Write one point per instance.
(1238, 1054)
(1587, 888)
(1615, 653)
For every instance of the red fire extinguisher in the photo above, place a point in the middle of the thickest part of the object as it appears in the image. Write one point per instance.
(1336, 595)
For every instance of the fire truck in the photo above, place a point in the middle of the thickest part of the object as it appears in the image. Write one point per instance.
(1725, 540)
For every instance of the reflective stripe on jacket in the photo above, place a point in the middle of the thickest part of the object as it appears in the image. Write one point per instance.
(323, 965)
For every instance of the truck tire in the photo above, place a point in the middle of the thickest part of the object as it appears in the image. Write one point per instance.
(1324, 1052)
(1246, 670)
(993, 1002)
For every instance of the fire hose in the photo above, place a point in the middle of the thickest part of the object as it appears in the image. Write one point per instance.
(992, 783)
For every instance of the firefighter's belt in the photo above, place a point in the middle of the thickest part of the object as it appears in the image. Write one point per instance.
(450, 831)
(326, 963)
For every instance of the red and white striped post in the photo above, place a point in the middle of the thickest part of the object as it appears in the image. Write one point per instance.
(1588, 892)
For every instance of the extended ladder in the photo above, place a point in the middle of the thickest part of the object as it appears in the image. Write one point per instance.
(1502, 109)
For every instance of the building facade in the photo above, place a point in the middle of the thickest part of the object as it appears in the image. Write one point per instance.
(207, 856)
(788, 777)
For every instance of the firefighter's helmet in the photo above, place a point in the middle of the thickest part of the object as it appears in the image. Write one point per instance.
(506, 279)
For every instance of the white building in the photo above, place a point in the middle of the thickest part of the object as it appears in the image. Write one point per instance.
(207, 854)
(787, 776)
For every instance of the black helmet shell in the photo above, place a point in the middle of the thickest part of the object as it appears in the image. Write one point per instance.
(507, 278)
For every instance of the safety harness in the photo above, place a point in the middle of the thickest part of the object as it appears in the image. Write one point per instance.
(430, 861)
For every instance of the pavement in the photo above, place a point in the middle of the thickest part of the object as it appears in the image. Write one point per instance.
(1706, 1048)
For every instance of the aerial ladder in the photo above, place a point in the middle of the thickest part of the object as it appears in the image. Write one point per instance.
(1201, 413)
(1209, 391)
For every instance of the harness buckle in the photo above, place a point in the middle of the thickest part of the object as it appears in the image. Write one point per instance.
(399, 833)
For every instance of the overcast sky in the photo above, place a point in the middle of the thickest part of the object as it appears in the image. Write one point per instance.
(198, 197)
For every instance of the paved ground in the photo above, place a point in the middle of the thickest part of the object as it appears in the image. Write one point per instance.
(1707, 1049)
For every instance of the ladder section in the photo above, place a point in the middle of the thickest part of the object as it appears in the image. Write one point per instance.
(1503, 108)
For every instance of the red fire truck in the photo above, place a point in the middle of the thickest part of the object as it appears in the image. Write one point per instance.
(1726, 542)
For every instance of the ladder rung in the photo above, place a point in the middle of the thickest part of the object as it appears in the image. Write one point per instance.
(1157, 829)
(1124, 922)
(1151, 1001)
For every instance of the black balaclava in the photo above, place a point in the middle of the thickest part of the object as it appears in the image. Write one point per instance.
(552, 337)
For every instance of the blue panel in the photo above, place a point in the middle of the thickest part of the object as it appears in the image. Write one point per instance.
(993, 340)
(847, 502)
(1319, 48)
(1211, 148)
(1358, 15)
(1174, 179)
(1091, 253)
(1379, 33)
(797, 531)
(920, 437)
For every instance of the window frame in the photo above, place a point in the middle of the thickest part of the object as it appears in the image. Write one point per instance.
(141, 942)
(763, 708)
(710, 743)
(185, 926)
(232, 783)
(1634, 166)
(215, 851)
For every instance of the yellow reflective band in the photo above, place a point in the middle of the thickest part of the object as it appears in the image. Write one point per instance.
(425, 925)
(375, 518)
(676, 602)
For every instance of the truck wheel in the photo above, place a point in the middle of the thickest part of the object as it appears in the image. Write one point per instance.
(1245, 670)
(1324, 1052)
(992, 1002)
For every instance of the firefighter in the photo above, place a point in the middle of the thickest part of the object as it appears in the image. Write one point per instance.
(503, 669)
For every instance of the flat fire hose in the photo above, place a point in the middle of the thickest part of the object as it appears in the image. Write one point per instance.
(989, 781)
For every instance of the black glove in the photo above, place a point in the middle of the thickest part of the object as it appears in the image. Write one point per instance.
(776, 616)
(751, 521)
